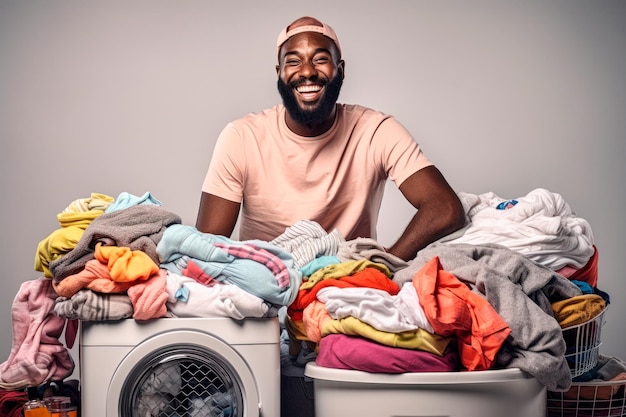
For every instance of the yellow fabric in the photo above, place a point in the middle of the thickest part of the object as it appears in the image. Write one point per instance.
(82, 211)
(78, 219)
(97, 201)
(125, 264)
(419, 339)
(343, 269)
(54, 246)
(578, 309)
(73, 220)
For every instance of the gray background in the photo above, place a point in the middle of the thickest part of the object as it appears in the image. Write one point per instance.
(129, 96)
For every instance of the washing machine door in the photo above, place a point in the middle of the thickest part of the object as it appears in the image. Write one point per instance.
(183, 373)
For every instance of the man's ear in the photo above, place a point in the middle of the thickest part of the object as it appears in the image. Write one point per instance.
(341, 67)
(277, 69)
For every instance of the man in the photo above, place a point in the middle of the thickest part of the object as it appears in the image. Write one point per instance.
(315, 159)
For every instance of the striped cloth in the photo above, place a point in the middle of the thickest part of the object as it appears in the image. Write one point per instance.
(306, 240)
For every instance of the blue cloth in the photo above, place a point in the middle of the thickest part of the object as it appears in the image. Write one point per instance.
(584, 286)
(125, 200)
(181, 244)
(319, 263)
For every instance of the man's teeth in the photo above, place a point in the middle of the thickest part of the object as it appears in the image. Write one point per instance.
(308, 88)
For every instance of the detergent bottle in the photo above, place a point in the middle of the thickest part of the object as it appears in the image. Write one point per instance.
(34, 407)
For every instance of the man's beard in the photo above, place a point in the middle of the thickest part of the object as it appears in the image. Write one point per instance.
(321, 112)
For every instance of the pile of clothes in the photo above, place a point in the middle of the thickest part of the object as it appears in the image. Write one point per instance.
(495, 294)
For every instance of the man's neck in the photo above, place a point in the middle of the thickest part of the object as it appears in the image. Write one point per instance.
(310, 129)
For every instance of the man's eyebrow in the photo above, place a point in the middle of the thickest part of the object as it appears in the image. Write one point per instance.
(317, 51)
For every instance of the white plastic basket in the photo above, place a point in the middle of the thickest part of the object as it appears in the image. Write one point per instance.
(588, 399)
(583, 344)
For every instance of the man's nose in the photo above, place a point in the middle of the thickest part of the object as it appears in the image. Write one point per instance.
(307, 69)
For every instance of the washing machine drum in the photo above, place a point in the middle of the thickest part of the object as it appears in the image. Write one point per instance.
(183, 373)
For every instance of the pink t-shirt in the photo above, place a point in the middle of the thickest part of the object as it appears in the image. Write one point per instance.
(336, 179)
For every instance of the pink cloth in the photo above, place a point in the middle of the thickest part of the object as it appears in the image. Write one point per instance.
(313, 317)
(36, 355)
(149, 297)
(262, 256)
(96, 276)
(352, 352)
(588, 273)
(192, 270)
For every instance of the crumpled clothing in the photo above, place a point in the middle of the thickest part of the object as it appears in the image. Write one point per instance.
(36, 355)
(578, 309)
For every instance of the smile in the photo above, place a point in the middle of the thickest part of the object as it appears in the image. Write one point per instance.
(309, 92)
(309, 88)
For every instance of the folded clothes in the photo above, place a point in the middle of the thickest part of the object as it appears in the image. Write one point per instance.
(353, 352)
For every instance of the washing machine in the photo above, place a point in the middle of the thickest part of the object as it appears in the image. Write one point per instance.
(196, 367)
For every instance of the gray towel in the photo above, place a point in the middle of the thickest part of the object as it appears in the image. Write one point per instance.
(138, 228)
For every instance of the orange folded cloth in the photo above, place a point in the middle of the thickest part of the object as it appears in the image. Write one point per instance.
(125, 264)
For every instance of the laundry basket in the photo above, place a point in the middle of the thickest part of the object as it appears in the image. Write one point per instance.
(492, 393)
(591, 398)
(583, 344)
(588, 399)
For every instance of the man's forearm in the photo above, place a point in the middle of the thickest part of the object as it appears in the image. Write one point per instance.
(425, 227)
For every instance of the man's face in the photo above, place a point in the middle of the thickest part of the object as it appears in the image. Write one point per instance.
(310, 76)
(311, 114)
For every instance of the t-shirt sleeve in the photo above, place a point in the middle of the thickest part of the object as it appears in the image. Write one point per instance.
(225, 176)
(398, 152)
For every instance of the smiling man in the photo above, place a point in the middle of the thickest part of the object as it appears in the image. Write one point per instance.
(309, 84)
(312, 158)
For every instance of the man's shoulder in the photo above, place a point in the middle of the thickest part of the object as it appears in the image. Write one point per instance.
(254, 126)
(361, 113)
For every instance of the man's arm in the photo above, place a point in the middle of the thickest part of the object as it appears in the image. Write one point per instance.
(217, 215)
(439, 212)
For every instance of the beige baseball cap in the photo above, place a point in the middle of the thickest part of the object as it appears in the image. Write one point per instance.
(325, 30)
